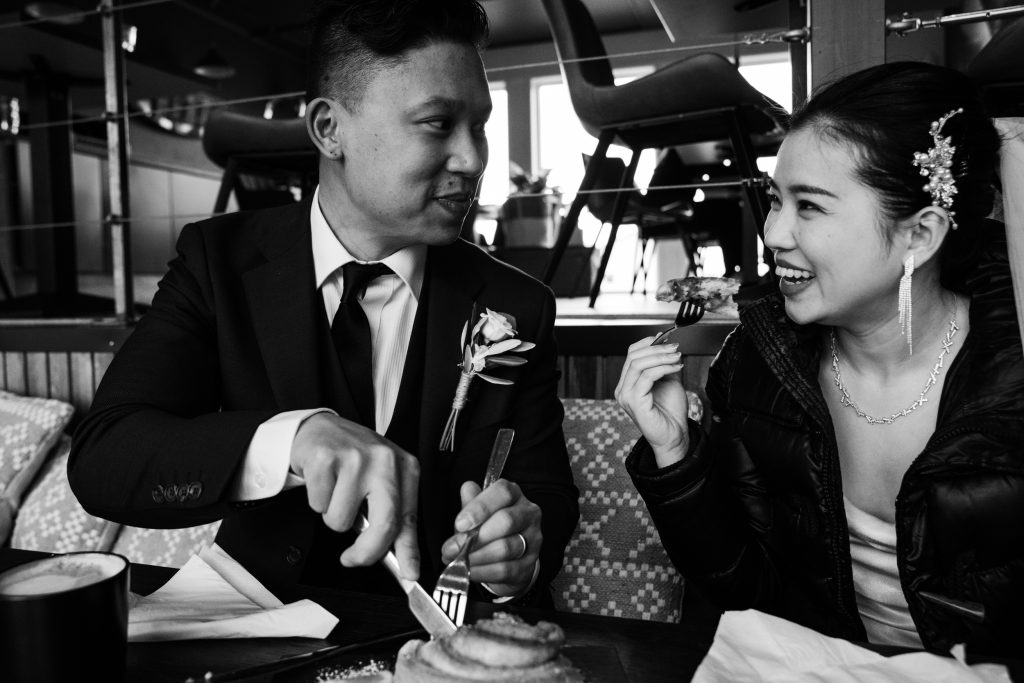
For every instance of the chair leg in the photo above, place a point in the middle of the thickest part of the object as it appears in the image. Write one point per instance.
(641, 267)
(746, 163)
(227, 184)
(618, 210)
(572, 218)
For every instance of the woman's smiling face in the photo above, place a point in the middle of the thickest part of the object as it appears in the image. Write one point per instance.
(834, 263)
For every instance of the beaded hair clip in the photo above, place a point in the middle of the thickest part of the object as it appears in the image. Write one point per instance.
(937, 164)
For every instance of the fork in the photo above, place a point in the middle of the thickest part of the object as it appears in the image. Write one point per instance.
(452, 590)
(688, 314)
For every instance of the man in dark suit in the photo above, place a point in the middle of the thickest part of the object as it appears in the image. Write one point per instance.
(241, 394)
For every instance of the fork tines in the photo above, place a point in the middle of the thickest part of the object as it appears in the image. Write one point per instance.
(452, 589)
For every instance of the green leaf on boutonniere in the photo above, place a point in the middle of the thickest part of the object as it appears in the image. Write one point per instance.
(523, 346)
(501, 347)
(493, 380)
(510, 361)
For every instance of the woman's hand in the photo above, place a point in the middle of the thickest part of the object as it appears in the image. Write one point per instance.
(650, 390)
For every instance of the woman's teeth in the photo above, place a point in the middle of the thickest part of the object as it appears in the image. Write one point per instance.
(793, 274)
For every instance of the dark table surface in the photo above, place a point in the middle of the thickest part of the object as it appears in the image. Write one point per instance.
(647, 651)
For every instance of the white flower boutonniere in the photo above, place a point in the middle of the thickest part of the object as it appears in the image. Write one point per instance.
(492, 336)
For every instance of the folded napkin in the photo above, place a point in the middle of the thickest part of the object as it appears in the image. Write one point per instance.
(213, 596)
(751, 646)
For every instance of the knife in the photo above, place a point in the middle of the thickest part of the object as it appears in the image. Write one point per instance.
(427, 612)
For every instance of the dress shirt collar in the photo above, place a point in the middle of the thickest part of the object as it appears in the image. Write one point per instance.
(329, 254)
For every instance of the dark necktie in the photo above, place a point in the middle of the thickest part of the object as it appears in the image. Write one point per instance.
(351, 333)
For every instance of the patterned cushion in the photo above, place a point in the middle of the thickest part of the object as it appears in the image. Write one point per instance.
(29, 428)
(167, 547)
(51, 519)
(615, 564)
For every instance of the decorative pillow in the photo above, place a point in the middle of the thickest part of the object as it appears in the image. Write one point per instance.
(51, 519)
(29, 428)
(615, 564)
(165, 547)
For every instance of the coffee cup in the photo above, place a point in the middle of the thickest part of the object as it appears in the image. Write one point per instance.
(64, 618)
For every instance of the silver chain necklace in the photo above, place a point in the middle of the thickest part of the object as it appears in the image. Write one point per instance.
(933, 376)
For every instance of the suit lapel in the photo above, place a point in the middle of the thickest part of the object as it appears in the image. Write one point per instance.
(453, 288)
(284, 303)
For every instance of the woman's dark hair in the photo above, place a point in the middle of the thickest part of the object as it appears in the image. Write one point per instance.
(351, 39)
(884, 114)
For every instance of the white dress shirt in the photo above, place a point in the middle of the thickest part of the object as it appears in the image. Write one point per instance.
(390, 304)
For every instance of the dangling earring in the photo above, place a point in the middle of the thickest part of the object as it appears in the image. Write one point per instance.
(906, 303)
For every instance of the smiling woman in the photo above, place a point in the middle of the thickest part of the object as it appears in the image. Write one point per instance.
(864, 464)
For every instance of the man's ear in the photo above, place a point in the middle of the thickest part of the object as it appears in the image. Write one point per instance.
(925, 232)
(324, 125)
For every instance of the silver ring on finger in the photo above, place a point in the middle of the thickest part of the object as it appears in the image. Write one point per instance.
(523, 551)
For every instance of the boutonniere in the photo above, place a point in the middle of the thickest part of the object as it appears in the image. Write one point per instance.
(493, 336)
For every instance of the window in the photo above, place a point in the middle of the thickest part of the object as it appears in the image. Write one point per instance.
(559, 141)
(494, 187)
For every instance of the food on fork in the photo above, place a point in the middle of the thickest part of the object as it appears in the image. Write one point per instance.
(710, 292)
(503, 649)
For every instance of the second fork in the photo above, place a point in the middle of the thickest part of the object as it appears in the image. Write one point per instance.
(452, 589)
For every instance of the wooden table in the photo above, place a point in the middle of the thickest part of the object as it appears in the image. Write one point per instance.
(647, 651)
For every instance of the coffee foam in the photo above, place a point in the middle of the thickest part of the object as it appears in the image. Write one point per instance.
(59, 574)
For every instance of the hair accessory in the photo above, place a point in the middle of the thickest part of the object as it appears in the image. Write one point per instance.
(906, 303)
(937, 164)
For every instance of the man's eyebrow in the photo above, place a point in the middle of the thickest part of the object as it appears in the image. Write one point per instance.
(805, 189)
(445, 103)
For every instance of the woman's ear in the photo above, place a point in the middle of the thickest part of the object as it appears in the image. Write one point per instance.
(925, 232)
(323, 123)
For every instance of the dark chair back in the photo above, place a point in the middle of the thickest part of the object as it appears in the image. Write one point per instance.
(999, 68)
(262, 158)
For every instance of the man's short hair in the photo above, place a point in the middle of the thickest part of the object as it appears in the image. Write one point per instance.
(351, 39)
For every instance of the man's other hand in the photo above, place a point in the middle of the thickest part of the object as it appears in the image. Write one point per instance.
(344, 464)
(507, 520)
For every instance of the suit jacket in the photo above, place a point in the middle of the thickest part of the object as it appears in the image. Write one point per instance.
(232, 339)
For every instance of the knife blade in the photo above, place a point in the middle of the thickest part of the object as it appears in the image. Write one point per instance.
(427, 612)
(499, 454)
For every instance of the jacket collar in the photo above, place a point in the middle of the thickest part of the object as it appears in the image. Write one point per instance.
(284, 321)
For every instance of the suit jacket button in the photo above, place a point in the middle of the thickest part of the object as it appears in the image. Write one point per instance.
(158, 493)
(183, 493)
(195, 489)
(293, 555)
(170, 493)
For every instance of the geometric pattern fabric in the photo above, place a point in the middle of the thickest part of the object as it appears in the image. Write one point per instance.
(615, 563)
(50, 518)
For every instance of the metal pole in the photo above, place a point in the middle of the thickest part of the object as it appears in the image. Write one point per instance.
(117, 161)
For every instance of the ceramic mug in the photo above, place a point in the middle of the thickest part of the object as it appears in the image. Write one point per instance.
(64, 618)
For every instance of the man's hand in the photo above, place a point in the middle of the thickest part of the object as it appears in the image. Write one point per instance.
(344, 464)
(498, 557)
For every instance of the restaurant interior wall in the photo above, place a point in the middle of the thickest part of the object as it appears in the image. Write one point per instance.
(171, 180)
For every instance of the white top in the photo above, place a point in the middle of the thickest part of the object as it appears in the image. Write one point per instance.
(876, 579)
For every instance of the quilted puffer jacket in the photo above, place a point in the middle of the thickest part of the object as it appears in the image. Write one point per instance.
(754, 514)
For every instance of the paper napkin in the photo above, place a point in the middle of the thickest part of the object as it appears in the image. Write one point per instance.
(213, 596)
(751, 646)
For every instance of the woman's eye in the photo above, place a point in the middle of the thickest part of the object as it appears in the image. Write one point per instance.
(774, 200)
(804, 205)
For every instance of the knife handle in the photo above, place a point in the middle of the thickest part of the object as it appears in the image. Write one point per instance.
(390, 561)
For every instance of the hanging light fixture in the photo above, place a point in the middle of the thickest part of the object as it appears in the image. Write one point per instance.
(56, 12)
(10, 115)
(213, 65)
